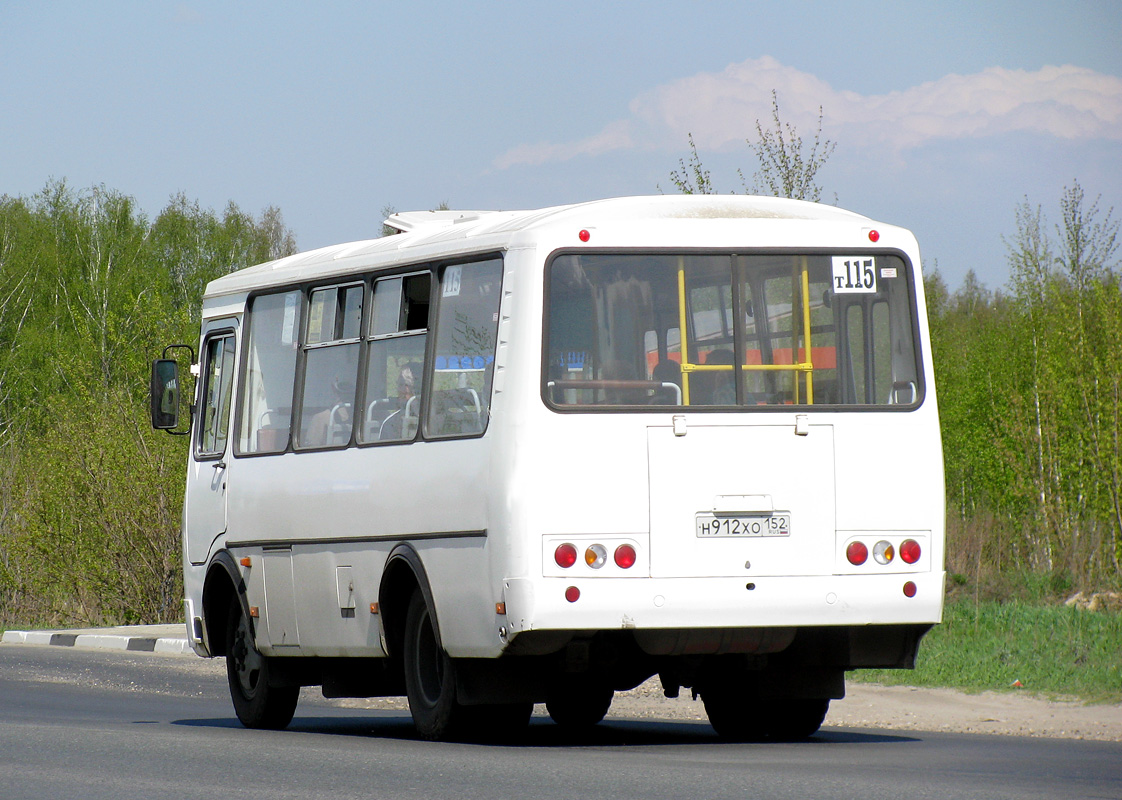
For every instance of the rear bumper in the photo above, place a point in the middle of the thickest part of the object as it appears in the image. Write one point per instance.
(534, 604)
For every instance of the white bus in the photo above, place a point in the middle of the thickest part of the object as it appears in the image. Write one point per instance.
(507, 458)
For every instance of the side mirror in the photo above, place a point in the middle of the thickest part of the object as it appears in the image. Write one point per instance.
(165, 394)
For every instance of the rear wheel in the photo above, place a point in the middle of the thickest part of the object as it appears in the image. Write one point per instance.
(430, 685)
(430, 676)
(795, 719)
(580, 704)
(734, 713)
(257, 704)
(738, 714)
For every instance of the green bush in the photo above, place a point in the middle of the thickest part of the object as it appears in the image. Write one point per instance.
(1051, 650)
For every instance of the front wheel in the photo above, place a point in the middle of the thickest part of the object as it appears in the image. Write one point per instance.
(257, 704)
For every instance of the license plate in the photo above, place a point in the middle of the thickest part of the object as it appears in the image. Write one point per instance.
(746, 525)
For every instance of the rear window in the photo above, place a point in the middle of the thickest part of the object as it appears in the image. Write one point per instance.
(729, 331)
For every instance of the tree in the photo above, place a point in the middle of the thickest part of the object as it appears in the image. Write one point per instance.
(693, 177)
(1030, 400)
(90, 496)
(787, 169)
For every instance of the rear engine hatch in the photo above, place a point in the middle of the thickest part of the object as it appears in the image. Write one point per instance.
(731, 501)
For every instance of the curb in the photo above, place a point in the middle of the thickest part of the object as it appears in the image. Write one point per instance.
(137, 639)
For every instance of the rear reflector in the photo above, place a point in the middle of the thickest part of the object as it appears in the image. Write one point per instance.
(572, 594)
(909, 589)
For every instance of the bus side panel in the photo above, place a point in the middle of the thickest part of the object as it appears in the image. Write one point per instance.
(341, 513)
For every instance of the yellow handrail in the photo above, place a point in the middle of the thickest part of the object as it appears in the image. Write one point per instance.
(684, 355)
(809, 360)
(806, 366)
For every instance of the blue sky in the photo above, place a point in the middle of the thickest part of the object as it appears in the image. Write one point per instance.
(946, 115)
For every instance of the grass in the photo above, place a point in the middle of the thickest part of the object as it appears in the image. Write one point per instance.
(1052, 650)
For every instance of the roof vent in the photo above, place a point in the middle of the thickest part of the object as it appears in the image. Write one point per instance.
(407, 221)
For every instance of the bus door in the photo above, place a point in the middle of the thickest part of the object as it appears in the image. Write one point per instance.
(208, 474)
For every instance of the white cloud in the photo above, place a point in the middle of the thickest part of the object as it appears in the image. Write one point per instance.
(721, 109)
(615, 136)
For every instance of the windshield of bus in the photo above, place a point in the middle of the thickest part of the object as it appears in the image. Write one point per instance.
(616, 324)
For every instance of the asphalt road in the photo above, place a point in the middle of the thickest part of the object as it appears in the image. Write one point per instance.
(96, 724)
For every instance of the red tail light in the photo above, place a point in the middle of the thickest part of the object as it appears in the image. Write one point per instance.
(910, 551)
(857, 553)
(565, 555)
(625, 556)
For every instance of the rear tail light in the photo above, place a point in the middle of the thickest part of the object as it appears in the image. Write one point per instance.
(595, 556)
(857, 553)
(910, 551)
(565, 555)
(625, 556)
(883, 552)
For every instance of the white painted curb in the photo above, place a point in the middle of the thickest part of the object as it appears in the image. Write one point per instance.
(100, 641)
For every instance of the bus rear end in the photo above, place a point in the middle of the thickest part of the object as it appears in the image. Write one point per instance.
(738, 475)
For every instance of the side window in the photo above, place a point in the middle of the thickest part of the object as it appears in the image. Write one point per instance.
(466, 332)
(218, 385)
(265, 415)
(395, 357)
(331, 348)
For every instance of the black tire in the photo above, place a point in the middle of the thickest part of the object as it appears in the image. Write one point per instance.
(739, 715)
(735, 714)
(257, 704)
(430, 676)
(430, 686)
(579, 705)
(793, 720)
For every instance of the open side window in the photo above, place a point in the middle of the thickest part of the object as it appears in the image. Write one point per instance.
(395, 358)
